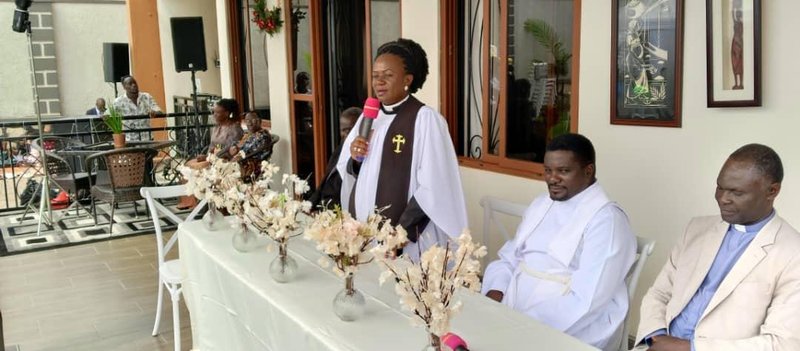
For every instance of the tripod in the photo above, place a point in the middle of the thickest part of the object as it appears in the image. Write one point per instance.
(45, 210)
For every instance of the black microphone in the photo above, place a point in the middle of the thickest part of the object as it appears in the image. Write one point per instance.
(20, 23)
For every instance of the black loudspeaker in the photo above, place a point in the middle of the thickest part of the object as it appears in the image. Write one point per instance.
(115, 61)
(188, 43)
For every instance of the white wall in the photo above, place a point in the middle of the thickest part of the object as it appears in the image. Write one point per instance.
(16, 92)
(80, 31)
(420, 22)
(226, 87)
(181, 83)
(279, 95)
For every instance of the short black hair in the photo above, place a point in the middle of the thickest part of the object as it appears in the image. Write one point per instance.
(580, 145)
(352, 113)
(254, 113)
(763, 157)
(414, 58)
(231, 106)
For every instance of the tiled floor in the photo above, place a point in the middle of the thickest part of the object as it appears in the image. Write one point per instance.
(99, 296)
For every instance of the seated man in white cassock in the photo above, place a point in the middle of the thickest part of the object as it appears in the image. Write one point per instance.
(567, 264)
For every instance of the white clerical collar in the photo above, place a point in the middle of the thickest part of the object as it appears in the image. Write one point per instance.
(755, 227)
(577, 198)
(390, 108)
(572, 203)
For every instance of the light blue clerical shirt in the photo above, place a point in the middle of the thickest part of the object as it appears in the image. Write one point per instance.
(733, 245)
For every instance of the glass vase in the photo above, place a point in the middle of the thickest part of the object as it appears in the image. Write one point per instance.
(245, 239)
(213, 220)
(349, 304)
(283, 268)
(434, 343)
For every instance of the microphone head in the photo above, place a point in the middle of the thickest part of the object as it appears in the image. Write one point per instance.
(454, 341)
(371, 108)
(23, 4)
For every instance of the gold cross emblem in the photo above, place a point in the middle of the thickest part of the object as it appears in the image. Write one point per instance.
(398, 140)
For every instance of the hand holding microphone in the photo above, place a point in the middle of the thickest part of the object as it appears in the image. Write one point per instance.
(360, 145)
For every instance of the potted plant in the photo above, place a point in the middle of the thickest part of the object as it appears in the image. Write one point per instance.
(114, 122)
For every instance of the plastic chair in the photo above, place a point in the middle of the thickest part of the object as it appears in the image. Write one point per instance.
(644, 248)
(170, 273)
(492, 205)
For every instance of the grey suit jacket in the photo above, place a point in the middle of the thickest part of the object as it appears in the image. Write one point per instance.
(757, 305)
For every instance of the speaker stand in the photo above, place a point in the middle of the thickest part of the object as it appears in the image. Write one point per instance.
(45, 211)
(196, 146)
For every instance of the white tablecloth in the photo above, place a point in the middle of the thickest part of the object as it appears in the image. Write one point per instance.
(235, 305)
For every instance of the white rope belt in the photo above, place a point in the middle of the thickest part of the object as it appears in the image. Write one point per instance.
(565, 280)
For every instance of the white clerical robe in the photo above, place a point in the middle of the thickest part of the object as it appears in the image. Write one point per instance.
(435, 180)
(566, 267)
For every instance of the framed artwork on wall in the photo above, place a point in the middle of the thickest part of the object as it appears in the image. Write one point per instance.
(646, 62)
(733, 44)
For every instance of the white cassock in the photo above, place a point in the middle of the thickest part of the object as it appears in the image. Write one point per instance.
(435, 180)
(566, 267)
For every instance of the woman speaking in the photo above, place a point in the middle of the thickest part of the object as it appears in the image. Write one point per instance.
(408, 162)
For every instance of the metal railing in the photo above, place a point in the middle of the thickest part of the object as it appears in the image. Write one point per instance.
(19, 162)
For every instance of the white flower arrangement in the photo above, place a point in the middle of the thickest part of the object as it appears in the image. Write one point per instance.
(275, 214)
(213, 182)
(346, 240)
(427, 288)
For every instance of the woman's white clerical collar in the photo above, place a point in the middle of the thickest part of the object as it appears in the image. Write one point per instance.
(390, 109)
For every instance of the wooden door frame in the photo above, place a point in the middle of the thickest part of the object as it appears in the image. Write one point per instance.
(318, 93)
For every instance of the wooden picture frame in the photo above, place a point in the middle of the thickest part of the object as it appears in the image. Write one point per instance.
(733, 46)
(646, 62)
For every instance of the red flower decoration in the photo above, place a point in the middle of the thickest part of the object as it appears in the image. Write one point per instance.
(268, 20)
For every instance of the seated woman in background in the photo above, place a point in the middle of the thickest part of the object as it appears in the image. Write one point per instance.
(256, 145)
(227, 132)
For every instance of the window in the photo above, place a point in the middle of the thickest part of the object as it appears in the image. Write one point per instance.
(513, 66)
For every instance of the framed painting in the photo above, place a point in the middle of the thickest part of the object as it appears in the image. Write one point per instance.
(646, 62)
(733, 44)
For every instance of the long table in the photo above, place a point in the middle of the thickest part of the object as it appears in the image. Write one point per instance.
(235, 305)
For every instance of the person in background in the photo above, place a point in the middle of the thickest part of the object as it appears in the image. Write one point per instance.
(567, 264)
(329, 191)
(227, 133)
(256, 145)
(136, 103)
(99, 108)
(732, 282)
(408, 163)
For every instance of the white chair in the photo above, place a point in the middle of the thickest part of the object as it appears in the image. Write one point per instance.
(644, 248)
(170, 273)
(492, 205)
